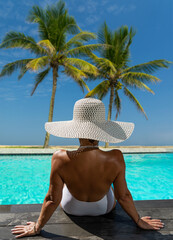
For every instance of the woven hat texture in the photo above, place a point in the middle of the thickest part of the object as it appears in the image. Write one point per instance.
(89, 122)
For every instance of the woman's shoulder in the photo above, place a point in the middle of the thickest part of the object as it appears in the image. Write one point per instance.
(114, 153)
(115, 156)
(59, 157)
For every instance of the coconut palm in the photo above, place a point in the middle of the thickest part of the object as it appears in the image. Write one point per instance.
(113, 65)
(54, 52)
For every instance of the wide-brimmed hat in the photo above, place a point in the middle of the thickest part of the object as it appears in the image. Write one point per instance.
(89, 122)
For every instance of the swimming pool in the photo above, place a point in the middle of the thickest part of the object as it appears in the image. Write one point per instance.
(24, 179)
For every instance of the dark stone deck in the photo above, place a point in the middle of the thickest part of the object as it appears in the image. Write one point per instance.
(116, 225)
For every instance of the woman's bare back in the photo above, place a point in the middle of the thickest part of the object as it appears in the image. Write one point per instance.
(88, 175)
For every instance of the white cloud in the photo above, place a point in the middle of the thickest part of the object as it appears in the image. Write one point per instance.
(92, 19)
(87, 7)
(10, 98)
(7, 94)
(91, 5)
(81, 9)
(115, 9)
(29, 85)
(103, 2)
(112, 8)
(131, 7)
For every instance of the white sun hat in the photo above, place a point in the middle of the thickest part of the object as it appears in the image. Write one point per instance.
(89, 122)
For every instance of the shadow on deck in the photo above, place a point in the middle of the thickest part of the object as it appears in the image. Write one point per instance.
(115, 225)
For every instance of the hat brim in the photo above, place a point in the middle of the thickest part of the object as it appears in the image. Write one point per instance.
(107, 131)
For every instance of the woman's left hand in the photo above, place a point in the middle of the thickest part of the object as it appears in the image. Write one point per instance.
(25, 230)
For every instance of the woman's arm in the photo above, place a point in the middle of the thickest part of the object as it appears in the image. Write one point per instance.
(52, 199)
(125, 199)
(51, 202)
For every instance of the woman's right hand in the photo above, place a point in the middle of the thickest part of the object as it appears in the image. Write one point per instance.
(148, 223)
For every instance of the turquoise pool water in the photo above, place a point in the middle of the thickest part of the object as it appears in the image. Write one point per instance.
(25, 178)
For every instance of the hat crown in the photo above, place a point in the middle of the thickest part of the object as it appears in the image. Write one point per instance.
(89, 109)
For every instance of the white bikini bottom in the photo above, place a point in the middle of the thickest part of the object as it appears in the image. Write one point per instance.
(80, 208)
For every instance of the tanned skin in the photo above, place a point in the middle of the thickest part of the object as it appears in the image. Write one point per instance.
(88, 178)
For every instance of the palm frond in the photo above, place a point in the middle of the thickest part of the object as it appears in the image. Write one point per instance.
(70, 27)
(77, 75)
(39, 78)
(76, 44)
(53, 22)
(48, 46)
(144, 77)
(104, 34)
(57, 10)
(82, 84)
(80, 37)
(120, 40)
(39, 16)
(36, 14)
(134, 100)
(126, 41)
(104, 65)
(20, 40)
(117, 104)
(100, 90)
(60, 24)
(149, 67)
(23, 70)
(38, 63)
(135, 83)
(84, 50)
(83, 65)
(9, 68)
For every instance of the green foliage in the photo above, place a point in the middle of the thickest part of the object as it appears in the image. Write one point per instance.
(113, 67)
(100, 90)
(20, 40)
(77, 74)
(134, 100)
(54, 23)
(38, 63)
(117, 104)
(149, 67)
(53, 50)
(144, 77)
(83, 50)
(47, 45)
(9, 68)
(120, 41)
(78, 39)
(39, 78)
(85, 66)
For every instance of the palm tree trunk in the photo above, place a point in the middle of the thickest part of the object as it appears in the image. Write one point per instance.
(55, 75)
(110, 109)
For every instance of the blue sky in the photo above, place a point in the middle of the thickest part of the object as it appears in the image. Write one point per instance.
(23, 117)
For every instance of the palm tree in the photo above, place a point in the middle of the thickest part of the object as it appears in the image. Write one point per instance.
(54, 52)
(113, 66)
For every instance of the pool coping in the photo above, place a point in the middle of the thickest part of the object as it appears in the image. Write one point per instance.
(36, 207)
(115, 225)
(124, 149)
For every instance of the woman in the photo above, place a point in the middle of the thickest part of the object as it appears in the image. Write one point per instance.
(80, 181)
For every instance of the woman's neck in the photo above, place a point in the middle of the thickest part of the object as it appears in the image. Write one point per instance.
(88, 143)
